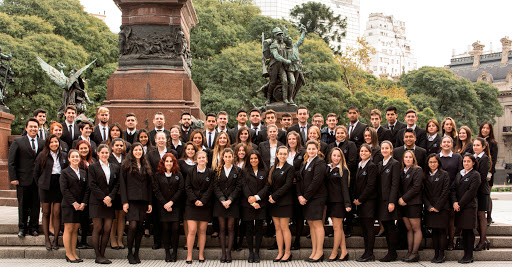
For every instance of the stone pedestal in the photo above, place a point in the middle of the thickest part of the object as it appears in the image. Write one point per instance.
(5, 131)
(154, 64)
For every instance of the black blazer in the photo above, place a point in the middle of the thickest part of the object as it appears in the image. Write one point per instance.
(310, 182)
(436, 191)
(255, 185)
(421, 137)
(389, 180)
(98, 183)
(419, 153)
(20, 163)
(434, 146)
(350, 152)
(185, 136)
(153, 157)
(214, 138)
(264, 149)
(112, 159)
(131, 138)
(282, 181)
(484, 167)
(384, 134)
(135, 186)
(92, 143)
(152, 134)
(43, 176)
(494, 155)
(199, 186)
(262, 135)
(324, 148)
(180, 149)
(377, 156)
(228, 187)
(232, 133)
(168, 188)
(337, 186)
(72, 189)
(296, 128)
(366, 182)
(298, 159)
(96, 134)
(66, 135)
(327, 137)
(398, 126)
(464, 189)
(411, 185)
(357, 135)
(63, 146)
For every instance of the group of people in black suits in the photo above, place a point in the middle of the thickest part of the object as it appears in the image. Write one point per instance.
(405, 177)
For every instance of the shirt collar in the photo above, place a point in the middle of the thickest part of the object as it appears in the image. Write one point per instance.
(463, 172)
(432, 137)
(103, 164)
(479, 155)
(394, 124)
(406, 169)
(201, 171)
(413, 148)
(412, 127)
(355, 123)
(433, 173)
(131, 132)
(443, 156)
(311, 159)
(385, 161)
(362, 164)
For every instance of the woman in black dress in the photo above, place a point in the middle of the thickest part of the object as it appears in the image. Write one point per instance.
(198, 207)
(280, 197)
(47, 169)
(75, 196)
(118, 224)
(174, 141)
(433, 137)
(295, 158)
(254, 202)
(464, 192)
(104, 184)
(338, 201)
(365, 196)
(312, 195)
(387, 187)
(168, 185)
(411, 200)
(227, 187)
(86, 159)
(436, 192)
(486, 131)
(136, 196)
(464, 142)
(187, 163)
(371, 138)
(482, 153)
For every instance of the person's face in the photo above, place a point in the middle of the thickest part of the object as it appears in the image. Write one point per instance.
(318, 122)
(391, 117)
(385, 150)
(272, 133)
(201, 159)
(463, 135)
(448, 126)
(130, 122)
(253, 160)
(198, 140)
(83, 149)
(335, 157)
(115, 132)
(228, 158)
(433, 164)
(279, 37)
(286, 122)
(168, 163)
(411, 118)
(408, 159)
(211, 123)
(70, 116)
(313, 135)
(241, 118)
(137, 152)
(103, 117)
(292, 141)
(222, 120)
(41, 118)
(161, 139)
(57, 131)
(74, 158)
(353, 116)
(244, 135)
(376, 120)
(432, 128)
(270, 119)
(223, 140)
(367, 137)
(103, 154)
(175, 134)
(409, 139)
(340, 135)
(446, 144)
(190, 151)
(364, 153)
(143, 138)
(467, 163)
(331, 122)
(185, 121)
(241, 153)
(478, 147)
(159, 121)
(302, 116)
(312, 150)
(255, 118)
(86, 131)
(486, 130)
(54, 144)
(282, 155)
(118, 148)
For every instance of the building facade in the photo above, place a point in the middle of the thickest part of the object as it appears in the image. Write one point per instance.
(394, 54)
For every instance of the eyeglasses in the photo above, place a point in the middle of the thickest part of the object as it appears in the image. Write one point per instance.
(433, 162)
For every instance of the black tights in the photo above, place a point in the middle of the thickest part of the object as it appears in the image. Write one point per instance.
(439, 240)
(391, 236)
(135, 231)
(171, 237)
(103, 227)
(254, 229)
(47, 212)
(369, 236)
(230, 222)
(468, 240)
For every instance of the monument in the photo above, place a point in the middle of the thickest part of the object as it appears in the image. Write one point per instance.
(6, 77)
(154, 62)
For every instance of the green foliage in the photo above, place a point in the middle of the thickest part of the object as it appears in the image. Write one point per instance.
(56, 31)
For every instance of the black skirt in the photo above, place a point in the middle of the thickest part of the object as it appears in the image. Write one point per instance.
(137, 210)
(483, 202)
(437, 220)
(383, 213)
(411, 211)
(314, 209)
(101, 211)
(53, 195)
(367, 209)
(70, 215)
(117, 204)
(465, 218)
(173, 216)
(336, 210)
(281, 211)
(195, 213)
(251, 214)
(232, 212)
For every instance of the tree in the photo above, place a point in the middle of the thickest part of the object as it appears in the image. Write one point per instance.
(352, 62)
(319, 18)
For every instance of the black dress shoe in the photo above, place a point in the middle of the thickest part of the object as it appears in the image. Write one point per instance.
(317, 260)
(331, 260)
(287, 260)
(389, 258)
(71, 261)
(80, 260)
(251, 257)
(156, 246)
(55, 247)
(465, 261)
(103, 261)
(344, 258)
(34, 233)
(201, 261)
(49, 248)
(366, 259)
(278, 260)
(414, 257)
(257, 257)
(131, 259)
(188, 262)
(83, 246)
(114, 248)
(22, 233)
(137, 259)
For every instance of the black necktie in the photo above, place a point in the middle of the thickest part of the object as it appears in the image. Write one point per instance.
(303, 133)
(104, 134)
(33, 144)
(256, 130)
(210, 140)
(391, 127)
(41, 133)
(71, 131)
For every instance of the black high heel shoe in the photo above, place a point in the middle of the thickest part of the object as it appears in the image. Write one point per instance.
(344, 258)
(71, 261)
(279, 259)
(331, 260)
(287, 260)
(318, 260)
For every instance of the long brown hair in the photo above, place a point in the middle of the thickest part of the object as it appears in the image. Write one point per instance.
(218, 170)
(460, 146)
(46, 150)
(454, 133)
(487, 150)
(373, 136)
(218, 150)
(275, 164)
(130, 163)
(315, 143)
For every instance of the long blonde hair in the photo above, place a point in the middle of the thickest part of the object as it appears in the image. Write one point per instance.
(343, 164)
(217, 150)
(275, 164)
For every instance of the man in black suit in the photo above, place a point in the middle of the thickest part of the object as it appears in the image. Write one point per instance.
(70, 130)
(100, 132)
(302, 126)
(271, 118)
(421, 134)
(222, 121)
(22, 155)
(260, 130)
(382, 133)
(131, 134)
(241, 118)
(355, 127)
(85, 128)
(210, 133)
(393, 124)
(40, 116)
(186, 130)
(159, 122)
(409, 144)
(286, 121)
(328, 133)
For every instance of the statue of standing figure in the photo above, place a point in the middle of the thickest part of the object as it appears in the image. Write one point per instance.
(6, 77)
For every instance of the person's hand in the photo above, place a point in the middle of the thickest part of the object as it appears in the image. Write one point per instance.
(252, 199)
(199, 203)
(107, 200)
(456, 206)
(356, 201)
(76, 206)
(82, 206)
(271, 200)
(150, 209)
(15, 182)
(401, 202)
(287, 62)
(348, 209)
(302, 200)
(168, 206)
(126, 206)
(256, 206)
(391, 207)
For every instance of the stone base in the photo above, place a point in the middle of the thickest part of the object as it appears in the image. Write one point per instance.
(5, 131)
(281, 107)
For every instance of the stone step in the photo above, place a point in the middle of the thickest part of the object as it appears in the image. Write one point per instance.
(8, 201)
(212, 254)
(8, 193)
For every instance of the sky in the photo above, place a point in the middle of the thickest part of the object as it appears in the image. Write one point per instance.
(435, 27)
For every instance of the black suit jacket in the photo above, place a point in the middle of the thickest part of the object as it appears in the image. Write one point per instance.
(296, 128)
(421, 137)
(484, 166)
(398, 126)
(43, 175)
(264, 149)
(214, 138)
(281, 187)
(96, 135)
(366, 183)
(434, 146)
(152, 134)
(66, 135)
(464, 189)
(98, 183)
(92, 143)
(232, 133)
(199, 186)
(154, 158)
(357, 135)
(419, 153)
(389, 180)
(72, 189)
(20, 163)
(168, 188)
(255, 185)
(310, 183)
(436, 191)
(337, 186)
(185, 136)
(228, 187)
(411, 185)
(131, 138)
(135, 186)
(384, 134)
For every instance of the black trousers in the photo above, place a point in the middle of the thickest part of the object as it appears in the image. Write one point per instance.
(85, 222)
(28, 207)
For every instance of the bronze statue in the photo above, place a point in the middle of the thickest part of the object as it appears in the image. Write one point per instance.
(74, 88)
(7, 77)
